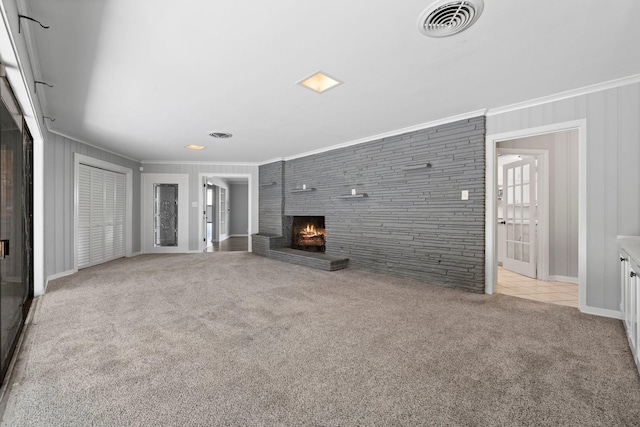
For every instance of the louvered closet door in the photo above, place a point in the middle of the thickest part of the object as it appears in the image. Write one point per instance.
(84, 216)
(109, 214)
(96, 222)
(119, 244)
(101, 218)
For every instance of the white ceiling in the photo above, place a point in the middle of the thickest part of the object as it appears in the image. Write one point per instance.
(144, 78)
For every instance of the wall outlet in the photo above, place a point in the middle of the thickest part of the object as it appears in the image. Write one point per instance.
(465, 194)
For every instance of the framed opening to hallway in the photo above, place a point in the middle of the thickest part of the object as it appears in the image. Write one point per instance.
(491, 218)
(203, 178)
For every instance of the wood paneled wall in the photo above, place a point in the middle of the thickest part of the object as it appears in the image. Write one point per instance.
(59, 198)
(613, 174)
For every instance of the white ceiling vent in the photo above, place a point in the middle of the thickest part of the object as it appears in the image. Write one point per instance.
(221, 135)
(448, 17)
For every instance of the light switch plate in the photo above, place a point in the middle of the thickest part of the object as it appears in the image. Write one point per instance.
(465, 194)
(194, 204)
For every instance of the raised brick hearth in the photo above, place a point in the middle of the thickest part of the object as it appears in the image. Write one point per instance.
(272, 247)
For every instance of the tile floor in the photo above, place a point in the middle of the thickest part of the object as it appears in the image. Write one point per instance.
(561, 293)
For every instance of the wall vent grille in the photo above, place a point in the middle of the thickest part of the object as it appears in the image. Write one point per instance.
(220, 135)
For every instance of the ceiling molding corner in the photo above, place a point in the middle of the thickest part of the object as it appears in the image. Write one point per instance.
(389, 134)
(610, 84)
(198, 162)
(97, 147)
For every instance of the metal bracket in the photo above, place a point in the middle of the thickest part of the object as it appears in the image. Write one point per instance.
(38, 82)
(30, 19)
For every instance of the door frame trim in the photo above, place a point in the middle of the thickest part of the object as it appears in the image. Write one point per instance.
(491, 218)
(146, 219)
(202, 176)
(101, 164)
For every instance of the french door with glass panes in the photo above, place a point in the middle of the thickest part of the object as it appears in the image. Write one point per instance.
(519, 192)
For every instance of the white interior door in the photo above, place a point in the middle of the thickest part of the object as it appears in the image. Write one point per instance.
(519, 192)
(208, 214)
(223, 214)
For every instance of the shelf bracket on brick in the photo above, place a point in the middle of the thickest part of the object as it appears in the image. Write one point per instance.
(417, 167)
(353, 196)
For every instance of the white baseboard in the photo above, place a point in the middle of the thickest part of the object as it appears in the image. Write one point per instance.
(134, 254)
(238, 235)
(614, 314)
(567, 279)
(58, 276)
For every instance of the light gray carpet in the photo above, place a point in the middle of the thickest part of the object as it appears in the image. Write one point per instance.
(235, 339)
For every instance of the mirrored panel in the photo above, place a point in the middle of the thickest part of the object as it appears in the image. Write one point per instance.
(165, 214)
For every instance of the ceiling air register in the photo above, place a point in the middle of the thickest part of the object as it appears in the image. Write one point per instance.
(445, 17)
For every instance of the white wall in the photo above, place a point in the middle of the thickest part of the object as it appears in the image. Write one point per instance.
(613, 175)
(238, 219)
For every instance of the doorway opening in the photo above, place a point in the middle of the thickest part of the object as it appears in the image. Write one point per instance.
(534, 186)
(226, 213)
(524, 221)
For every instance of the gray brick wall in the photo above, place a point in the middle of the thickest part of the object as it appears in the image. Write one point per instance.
(413, 223)
(270, 198)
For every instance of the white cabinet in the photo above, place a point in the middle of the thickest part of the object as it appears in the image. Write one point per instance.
(630, 292)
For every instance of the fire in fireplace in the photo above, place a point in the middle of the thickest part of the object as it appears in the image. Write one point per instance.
(307, 233)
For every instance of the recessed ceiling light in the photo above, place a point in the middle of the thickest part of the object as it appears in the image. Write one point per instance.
(220, 135)
(194, 147)
(319, 82)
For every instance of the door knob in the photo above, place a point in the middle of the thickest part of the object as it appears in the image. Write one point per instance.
(633, 274)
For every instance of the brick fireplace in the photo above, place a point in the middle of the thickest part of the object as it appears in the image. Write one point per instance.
(308, 233)
(391, 205)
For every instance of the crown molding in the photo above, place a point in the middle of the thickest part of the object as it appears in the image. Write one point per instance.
(276, 159)
(97, 147)
(198, 162)
(389, 134)
(610, 84)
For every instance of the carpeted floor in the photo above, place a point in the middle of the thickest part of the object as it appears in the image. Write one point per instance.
(235, 339)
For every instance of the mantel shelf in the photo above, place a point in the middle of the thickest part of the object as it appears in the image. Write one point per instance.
(302, 190)
(353, 196)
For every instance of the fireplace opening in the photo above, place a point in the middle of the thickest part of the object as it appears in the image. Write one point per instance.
(307, 233)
